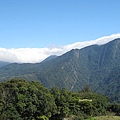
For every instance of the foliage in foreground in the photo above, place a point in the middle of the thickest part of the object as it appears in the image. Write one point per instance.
(22, 100)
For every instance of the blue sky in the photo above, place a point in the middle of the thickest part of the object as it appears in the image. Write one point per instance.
(49, 23)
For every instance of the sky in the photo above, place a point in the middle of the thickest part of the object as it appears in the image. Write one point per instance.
(31, 30)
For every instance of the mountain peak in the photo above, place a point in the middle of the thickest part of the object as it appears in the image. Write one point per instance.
(49, 58)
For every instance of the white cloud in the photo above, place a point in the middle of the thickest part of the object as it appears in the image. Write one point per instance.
(33, 55)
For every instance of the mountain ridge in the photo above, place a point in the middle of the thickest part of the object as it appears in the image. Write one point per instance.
(4, 63)
(49, 58)
(95, 65)
(36, 55)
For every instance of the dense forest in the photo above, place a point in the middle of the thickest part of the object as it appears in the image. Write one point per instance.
(23, 100)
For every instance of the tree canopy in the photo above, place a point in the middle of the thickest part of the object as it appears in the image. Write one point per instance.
(23, 100)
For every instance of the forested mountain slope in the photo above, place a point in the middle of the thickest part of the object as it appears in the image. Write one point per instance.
(23, 100)
(2, 63)
(96, 65)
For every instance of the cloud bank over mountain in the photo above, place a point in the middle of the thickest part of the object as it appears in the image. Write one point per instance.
(34, 55)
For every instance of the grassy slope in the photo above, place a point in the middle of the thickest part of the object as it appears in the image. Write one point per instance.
(107, 118)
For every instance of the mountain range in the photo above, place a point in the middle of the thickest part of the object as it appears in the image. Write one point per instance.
(97, 66)
(3, 63)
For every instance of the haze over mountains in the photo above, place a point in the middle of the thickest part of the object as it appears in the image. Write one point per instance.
(95, 65)
(36, 55)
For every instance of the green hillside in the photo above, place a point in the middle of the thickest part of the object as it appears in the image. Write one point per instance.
(23, 100)
(96, 65)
